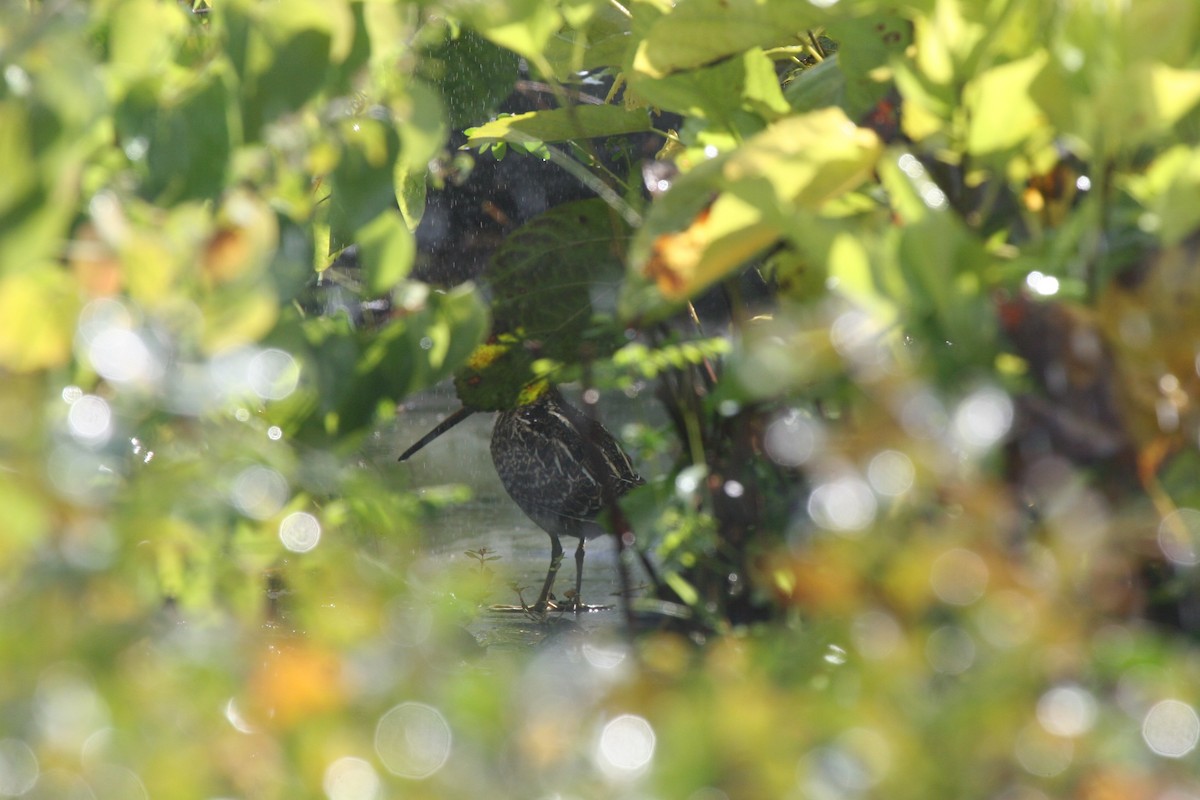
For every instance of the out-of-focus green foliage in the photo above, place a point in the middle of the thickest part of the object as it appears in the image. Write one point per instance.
(929, 527)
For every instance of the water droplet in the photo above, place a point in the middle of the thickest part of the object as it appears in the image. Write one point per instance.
(273, 374)
(1171, 728)
(350, 778)
(1041, 753)
(790, 439)
(1179, 536)
(845, 504)
(413, 740)
(258, 492)
(876, 634)
(18, 768)
(950, 650)
(300, 532)
(121, 356)
(1040, 283)
(1068, 710)
(835, 655)
(958, 576)
(626, 745)
(17, 80)
(891, 473)
(90, 420)
(983, 418)
(688, 481)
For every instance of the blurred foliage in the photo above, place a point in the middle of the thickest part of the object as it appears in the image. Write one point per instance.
(915, 283)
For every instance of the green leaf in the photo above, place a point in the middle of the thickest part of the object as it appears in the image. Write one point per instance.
(934, 266)
(283, 52)
(362, 182)
(186, 137)
(817, 87)
(1170, 189)
(800, 162)
(701, 32)
(423, 125)
(549, 275)
(522, 26)
(38, 202)
(598, 38)
(1173, 92)
(411, 188)
(560, 125)
(386, 248)
(357, 371)
(722, 93)
(38, 305)
(1002, 114)
(805, 159)
(866, 47)
(142, 39)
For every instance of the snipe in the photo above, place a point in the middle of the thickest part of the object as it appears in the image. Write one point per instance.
(556, 464)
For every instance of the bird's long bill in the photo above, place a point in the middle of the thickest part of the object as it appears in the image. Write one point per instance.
(443, 426)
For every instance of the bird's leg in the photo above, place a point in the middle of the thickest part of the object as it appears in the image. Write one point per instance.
(579, 575)
(556, 557)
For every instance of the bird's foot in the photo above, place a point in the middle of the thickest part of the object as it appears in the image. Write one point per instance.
(573, 603)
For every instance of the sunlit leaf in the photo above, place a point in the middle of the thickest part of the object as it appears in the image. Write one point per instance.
(800, 161)
(411, 188)
(806, 159)
(721, 92)
(1174, 92)
(720, 241)
(560, 124)
(38, 306)
(701, 32)
(143, 39)
(237, 316)
(1002, 114)
(1170, 188)
(947, 38)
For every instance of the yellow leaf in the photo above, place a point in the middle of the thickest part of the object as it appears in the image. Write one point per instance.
(1175, 92)
(807, 159)
(1002, 112)
(38, 308)
(721, 239)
